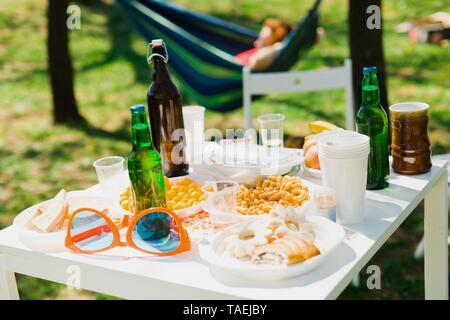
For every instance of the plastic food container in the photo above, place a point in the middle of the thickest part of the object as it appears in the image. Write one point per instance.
(325, 202)
(221, 202)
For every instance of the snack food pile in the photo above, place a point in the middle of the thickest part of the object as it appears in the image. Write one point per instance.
(285, 237)
(198, 225)
(268, 192)
(182, 194)
(126, 200)
(179, 195)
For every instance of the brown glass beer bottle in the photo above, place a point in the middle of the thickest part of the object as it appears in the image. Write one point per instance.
(166, 116)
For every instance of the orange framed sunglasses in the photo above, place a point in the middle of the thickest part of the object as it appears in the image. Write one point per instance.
(157, 231)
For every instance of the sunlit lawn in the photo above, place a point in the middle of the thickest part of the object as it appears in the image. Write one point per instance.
(37, 158)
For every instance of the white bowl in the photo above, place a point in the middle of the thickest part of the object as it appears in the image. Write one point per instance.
(328, 236)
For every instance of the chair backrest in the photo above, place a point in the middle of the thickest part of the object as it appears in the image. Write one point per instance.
(302, 81)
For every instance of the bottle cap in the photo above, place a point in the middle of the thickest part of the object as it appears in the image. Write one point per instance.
(137, 108)
(369, 69)
(157, 42)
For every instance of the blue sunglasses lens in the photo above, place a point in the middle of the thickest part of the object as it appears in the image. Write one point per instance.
(155, 232)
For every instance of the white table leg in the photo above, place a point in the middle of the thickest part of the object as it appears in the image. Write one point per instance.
(436, 234)
(8, 286)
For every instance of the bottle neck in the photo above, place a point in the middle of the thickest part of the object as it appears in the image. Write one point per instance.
(370, 90)
(140, 131)
(160, 72)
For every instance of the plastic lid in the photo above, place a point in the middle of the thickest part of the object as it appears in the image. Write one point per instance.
(137, 108)
(369, 69)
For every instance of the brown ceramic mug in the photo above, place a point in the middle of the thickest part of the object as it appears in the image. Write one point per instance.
(410, 145)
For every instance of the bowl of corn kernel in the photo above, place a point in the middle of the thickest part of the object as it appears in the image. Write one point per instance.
(184, 195)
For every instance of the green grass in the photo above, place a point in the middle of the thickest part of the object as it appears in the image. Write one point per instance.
(37, 158)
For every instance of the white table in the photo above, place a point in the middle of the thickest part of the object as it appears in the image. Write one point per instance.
(186, 277)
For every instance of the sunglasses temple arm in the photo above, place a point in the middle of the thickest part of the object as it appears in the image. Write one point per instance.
(91, 233)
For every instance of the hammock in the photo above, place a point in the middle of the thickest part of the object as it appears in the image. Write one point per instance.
(202, 48)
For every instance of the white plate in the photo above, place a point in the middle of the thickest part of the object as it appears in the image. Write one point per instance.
(315, 173)
(328, 236)
(54, 241)
(245, 170)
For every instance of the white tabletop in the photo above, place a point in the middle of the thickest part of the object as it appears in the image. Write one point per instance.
(187, 277)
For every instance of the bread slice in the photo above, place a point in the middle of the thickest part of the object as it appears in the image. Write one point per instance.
(39, 210)
(53, 217)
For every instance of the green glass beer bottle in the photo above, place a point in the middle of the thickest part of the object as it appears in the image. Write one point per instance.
(372, 121)
(144, 165)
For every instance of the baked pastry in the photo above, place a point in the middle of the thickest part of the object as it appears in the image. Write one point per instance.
(291, 249)
(286, 220)
(244, 242)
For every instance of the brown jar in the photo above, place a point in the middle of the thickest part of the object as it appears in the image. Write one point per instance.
(410, 146)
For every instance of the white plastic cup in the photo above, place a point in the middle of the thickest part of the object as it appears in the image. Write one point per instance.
(194, 127)
(348, 179)
(221, 198)
(110, 174)
(271, 130)
(344, 168)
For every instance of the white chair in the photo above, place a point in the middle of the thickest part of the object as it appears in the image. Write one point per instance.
(302, 81)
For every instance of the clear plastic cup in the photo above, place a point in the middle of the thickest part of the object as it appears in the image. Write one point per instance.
(271, 130)
(108, 167)
(221, 202)
(110, 174)
(325, 202)
(194, 127)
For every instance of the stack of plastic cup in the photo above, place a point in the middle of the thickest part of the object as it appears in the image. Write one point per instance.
(343, 158)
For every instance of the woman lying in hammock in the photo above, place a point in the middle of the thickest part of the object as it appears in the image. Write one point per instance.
(268, 43)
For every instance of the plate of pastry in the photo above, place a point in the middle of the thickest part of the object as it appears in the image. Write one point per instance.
(286, 243)
(43, 227)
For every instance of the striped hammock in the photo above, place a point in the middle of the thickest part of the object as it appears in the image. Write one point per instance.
(202, 48)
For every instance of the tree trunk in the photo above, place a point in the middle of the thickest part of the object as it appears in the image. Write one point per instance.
(60, 66)
(366, 49)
